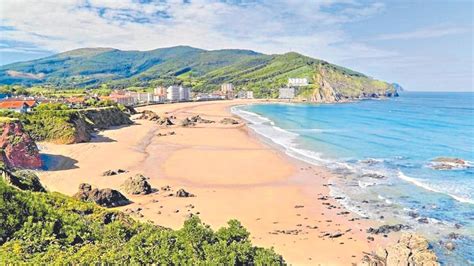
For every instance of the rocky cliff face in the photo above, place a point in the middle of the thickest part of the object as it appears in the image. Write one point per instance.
(105, 118)
(17, 148)
(331, 85)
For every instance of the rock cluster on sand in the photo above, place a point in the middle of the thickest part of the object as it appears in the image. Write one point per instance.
(137, 185)
(114, 172)
(193, 120)
(386, 229)
(446, 163)
(181, 193)
(104, 197)
(24, 180)
(411, 249)
(152, 116)
(229, 121)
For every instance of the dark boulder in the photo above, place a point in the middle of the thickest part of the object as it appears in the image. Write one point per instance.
(385, 229)
(137, 185)
(24, 180)
(104, 197)
(181, 193)
(114, 172)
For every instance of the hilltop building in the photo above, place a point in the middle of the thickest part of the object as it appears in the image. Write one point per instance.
(227, 89)
(18, 105)
(286, 93)
(297, 82)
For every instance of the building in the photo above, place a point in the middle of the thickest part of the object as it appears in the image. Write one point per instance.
(184, 94)
(286, 93)
(209, 96)
(123, 99)
(245, 94)
(227, 89)
(160, 90)
(16, 105)
(297, 82)
(172, 93)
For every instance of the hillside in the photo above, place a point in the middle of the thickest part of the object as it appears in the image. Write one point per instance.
(43, 228)
(201, 69)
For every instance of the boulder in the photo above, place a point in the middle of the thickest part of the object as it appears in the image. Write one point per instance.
(17, 148)
(137, 185)
(229, 121)
(24, 180)
(114, 172)
(386, 229)
(164, 121)
(181, 193)
(187, 123)
(374, 175)
(149, 115)
(411, 249)
(104, 197)
(447, 163)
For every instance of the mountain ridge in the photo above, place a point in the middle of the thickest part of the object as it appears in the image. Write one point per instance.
(203, 70)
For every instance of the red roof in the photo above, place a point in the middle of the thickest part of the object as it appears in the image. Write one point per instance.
(16, 104)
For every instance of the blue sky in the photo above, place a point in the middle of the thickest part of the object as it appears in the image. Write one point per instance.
(422, 45)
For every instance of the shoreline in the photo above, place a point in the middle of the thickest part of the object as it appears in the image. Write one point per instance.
(274, 195)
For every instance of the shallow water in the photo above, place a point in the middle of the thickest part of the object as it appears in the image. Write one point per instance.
(396, 139)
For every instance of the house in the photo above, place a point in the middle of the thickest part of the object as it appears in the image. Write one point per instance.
(227, 89)
(17, 105)
(209, 96)
(172, 93)
(297, 82)
(123, 99)
(75, 102)
(245, 95)
(286, 93)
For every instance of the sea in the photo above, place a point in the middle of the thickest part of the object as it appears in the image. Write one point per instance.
(382, 153)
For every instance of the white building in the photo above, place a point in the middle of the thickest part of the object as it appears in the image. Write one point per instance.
(172, 93)
(245, 95)
(297, 82)
(184, 94)
(287, 93)
(227, 89)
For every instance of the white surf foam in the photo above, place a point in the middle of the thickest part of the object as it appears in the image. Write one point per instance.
(426, 186)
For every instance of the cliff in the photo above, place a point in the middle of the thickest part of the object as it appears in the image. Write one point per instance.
(17, 148)
(331, 85)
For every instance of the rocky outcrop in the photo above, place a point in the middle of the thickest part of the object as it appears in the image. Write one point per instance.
(104, 197)
(333, 85)
(411, 250)
(137, 185)
(386, 229)
(23, 179)
(114, 172)
(447, 163)
(181, 193)
(148, 115)
(229, 121)
(103, 118)
(17, 148)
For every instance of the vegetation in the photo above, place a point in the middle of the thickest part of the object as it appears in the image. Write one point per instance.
(51, 228)
(200, 69)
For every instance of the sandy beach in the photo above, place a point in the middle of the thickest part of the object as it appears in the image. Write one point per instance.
(233, 175)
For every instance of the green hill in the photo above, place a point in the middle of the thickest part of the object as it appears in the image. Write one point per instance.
(201, 69)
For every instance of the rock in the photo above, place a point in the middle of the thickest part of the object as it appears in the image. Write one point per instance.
(335, 235)
(137, 185)
(453, 236)
(114, 172)
(413, 214)
(373, 175)
(229, 121)
(187, 123)
(181, 193)
(411, 250)
(24, 180)
(449, 246)
(386, 229)
(166, 188)
(17, 148)
(423, 220)
(104, 197)
(299, 206)
(199, 119)
(447, 163)
(164, 121)
(149, 115)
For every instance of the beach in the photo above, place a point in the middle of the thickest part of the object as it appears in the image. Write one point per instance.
(233, 174)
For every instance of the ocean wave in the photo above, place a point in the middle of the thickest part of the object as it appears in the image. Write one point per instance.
(420, 183)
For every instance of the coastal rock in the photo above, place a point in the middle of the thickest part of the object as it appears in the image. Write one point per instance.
(114, 172)
(199, 119)
(229, 121)
(104, 197)
(24, 180)
(187, 123)
(17, 148)
(450, 246)
(148, 115)
(411, 249)
(386, 229)
(373, 175)
(164, 121)
(447, 163)
(137, 185)
(181, 193)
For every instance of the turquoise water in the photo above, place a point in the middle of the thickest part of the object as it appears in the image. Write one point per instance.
(396, 139)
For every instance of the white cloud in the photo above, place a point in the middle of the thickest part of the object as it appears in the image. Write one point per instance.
(269, 26)
(432, 32)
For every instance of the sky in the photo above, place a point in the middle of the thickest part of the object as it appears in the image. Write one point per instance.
(422, 45)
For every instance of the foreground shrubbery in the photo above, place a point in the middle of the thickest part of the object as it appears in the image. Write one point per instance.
(51, 228)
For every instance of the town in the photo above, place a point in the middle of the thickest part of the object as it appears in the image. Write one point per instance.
(160, 95)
